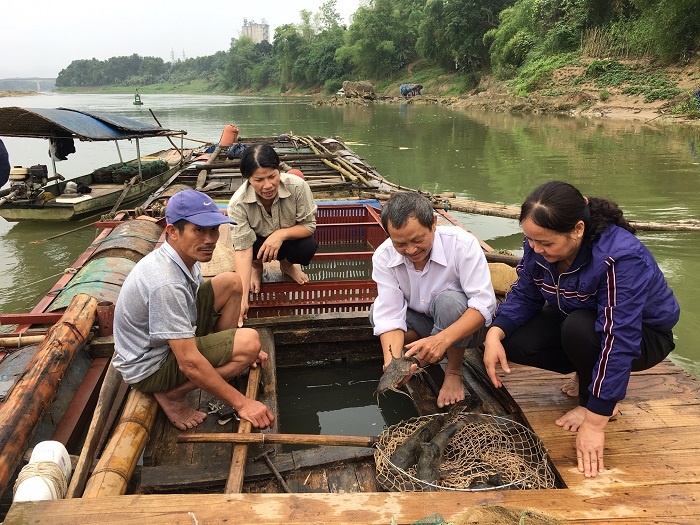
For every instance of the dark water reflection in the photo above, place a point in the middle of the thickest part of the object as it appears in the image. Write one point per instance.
(652, 172)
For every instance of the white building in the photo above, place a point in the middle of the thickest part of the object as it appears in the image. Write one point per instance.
(257, 32)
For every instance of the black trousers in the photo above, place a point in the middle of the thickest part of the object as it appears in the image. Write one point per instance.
(566, 344)
(297, 251)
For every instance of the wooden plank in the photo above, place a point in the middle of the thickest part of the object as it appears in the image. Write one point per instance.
(31, 318)
(240, 452)
(268, 395)
(328, 455)
(177, 478)
(366, 477)
(206, 453)
(101, 347)
(628, 506)
(308, 481)
(337, 335)
(79, 412)
(342, 479)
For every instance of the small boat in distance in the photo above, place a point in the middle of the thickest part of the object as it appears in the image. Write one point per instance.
(35, 194)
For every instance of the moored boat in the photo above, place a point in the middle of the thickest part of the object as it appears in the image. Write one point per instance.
(323, 325)
(36, 193)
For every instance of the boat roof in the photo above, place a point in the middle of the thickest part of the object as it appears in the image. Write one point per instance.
(73, 123)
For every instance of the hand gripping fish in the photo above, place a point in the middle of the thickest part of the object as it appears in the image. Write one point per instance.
(399, 368)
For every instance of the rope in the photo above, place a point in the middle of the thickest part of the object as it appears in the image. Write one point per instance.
(62, 234)
(47, 471)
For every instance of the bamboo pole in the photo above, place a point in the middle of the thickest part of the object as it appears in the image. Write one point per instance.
(108, 392)
(19, 341)
(280, 439)
(356, 176)
(35, 390)
(113, 471)
(234, 483)
(513, 212)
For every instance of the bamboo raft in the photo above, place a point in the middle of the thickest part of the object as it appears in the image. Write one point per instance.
(651, 450)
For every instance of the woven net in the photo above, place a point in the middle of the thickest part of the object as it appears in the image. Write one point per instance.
(488, 452)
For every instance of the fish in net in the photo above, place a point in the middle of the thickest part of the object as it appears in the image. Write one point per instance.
(487, 452)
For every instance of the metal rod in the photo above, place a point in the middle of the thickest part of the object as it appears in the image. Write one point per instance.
(119, 151)
(138, 156)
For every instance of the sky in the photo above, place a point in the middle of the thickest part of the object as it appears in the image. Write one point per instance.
(40, 37)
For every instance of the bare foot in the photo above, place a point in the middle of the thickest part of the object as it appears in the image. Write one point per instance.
(178, 411)
(570, 388)
(294, 271)
(573, 419)
(452, 390)
(256, 276)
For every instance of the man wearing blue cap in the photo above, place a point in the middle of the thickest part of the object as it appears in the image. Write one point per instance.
(173, 332)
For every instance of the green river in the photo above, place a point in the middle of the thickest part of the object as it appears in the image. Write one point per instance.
(653, 172)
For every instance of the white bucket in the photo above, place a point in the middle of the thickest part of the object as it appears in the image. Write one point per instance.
(43, 487)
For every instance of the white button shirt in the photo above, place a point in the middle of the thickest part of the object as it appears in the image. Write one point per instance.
(456, 263)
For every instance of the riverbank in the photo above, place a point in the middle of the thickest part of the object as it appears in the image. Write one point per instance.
(17, 93)
(568, 90)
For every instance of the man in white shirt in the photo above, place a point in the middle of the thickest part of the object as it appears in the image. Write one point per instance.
(435, 296)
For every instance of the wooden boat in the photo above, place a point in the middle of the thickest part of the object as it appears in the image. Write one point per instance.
(651, 457)
(34, 194)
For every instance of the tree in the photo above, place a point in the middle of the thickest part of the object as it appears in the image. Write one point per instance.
(452, 32)
(382, 37)
(288, 47)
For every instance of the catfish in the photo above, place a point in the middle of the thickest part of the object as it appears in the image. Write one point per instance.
(407, 453)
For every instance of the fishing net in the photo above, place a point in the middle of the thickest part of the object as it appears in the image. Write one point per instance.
(488, 452)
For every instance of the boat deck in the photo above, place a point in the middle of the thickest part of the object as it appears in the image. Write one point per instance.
(652, 463)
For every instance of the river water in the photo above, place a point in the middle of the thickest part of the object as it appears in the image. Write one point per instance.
(652, 172)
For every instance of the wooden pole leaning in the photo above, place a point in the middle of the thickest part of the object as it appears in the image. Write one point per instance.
(108, 393)
(280, 439)
(32, 394)
(234, 483)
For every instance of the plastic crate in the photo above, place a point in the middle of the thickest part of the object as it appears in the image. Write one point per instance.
(341, 213)
(277, 299)
(340, 271)
(348, 231)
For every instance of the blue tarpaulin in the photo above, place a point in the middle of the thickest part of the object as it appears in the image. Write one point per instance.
(71, 123)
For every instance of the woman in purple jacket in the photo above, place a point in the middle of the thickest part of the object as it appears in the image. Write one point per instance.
(589, 299)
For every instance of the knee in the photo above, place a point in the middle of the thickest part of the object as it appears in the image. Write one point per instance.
(448, 306)
(230, 283)
(247, 344)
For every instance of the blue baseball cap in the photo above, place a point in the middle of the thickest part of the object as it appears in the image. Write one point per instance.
(195, 207)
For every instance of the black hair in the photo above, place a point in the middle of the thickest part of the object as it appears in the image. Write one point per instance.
(180, 224)
(403, 205)
(260, 155)
(558, 206)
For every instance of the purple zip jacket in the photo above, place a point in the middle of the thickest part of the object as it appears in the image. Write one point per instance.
(617, 277)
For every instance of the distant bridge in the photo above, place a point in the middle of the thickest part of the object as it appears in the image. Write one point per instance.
(27, 84)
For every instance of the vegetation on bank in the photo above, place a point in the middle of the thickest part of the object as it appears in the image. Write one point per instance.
(445, 45)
